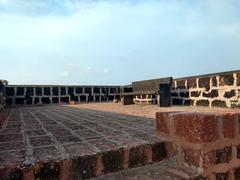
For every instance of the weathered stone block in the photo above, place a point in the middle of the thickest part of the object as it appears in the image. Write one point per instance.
(192, 83)
(9, 91)
(204, 82)
(173, 85)
(222, 176)
(19, 101)
(84, 167)
(229, 125)
(79, 90)
(224, 155)
(238, 152)
(20, 91)
(238, 79)
(64, 99)
(113, 90)
(195, 93)
(9, 101)
(159, 152)
(105, 90)
(174, 94)
(45, 100)
(96, 90)
(211, 94)
(177, 101)
(230, 94)
(90, 98)
(113, 160)
(202, 103)
(29, 100)
(161, 124)
(226, 80)
(46, 170)
(88, 90)
(16, 173)
(181, 84)
(196, 128)
(29, 91)
(47, 91)
(191, 156)
(237, 173)
(184, 94)
(83, 98)
(55, 91)
(55, 100)
(63, 91)
(38, 91)
(139, 155)
(214, 81)
(127, 100)
(188, 102)
(70, 90)
(219, 103)
(110, 97)
(97, 98)
(36, 100)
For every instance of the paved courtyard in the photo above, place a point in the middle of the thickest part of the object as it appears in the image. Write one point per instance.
(111, 132)
(33, 133)
(30, 135)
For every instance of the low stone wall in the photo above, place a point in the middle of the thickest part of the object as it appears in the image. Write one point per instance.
(213, 90)
(208, 141)
(2, 93)
(30, 95)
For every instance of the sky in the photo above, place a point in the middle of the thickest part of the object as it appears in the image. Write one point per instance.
(115, 42)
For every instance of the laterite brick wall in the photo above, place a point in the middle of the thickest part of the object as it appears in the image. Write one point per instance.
(208, 141)
(29, 95)
(213, 90)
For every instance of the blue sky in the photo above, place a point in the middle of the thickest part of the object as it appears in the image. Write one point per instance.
(116, 41)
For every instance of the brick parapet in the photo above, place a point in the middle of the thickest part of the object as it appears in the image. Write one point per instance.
(207, 141)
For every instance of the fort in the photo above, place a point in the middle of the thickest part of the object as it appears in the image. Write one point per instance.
(184, 128)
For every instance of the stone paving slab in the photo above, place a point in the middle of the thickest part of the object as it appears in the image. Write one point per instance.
(35, 137)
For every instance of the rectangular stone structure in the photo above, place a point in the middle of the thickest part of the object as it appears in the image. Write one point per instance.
(147, 91)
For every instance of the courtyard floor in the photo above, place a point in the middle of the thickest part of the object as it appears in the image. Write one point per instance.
(57, 132)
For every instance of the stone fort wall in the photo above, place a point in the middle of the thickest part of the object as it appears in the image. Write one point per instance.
(47, 94)
(212, 90)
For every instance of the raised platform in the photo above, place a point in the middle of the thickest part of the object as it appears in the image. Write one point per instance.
(73, 143)
(95, 140)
